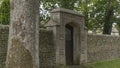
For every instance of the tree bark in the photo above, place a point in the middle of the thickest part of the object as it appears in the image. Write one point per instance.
(23, 46)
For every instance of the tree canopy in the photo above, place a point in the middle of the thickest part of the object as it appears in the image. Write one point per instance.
(99, 14)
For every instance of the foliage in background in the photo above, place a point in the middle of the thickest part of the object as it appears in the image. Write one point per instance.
(99, 14)
(5, 12)
(48, 5)
(111, 12)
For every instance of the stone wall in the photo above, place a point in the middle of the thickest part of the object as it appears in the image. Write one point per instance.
(3, 44)
(47, 50)
(99, 47)
(103, 47)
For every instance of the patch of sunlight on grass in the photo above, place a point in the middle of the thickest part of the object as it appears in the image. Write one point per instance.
(105, 64)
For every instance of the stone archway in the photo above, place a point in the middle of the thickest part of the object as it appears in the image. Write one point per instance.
(72, 43)
(59, 19)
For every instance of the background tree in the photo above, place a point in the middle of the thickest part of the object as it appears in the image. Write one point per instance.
(100, 14)
(110, 15)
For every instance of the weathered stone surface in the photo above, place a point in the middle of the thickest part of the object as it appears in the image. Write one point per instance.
(47, 49)
(3, 44)
(103, 47)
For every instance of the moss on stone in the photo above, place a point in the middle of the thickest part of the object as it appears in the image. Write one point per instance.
(19, 57)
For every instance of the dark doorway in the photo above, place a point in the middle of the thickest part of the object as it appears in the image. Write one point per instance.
(69, 44)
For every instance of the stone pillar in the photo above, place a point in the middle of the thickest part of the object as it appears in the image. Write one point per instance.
(83, 48)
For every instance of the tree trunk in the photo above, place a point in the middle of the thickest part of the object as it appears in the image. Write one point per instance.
(23, 46)
(108, 22)
(107, 28)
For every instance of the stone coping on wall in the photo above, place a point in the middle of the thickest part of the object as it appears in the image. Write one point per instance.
(104, 35)
(66, 11)
(3, 26)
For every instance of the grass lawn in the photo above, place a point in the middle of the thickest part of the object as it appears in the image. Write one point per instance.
(105, 64)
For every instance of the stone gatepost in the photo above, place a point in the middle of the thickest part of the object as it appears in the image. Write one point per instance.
(68, 30)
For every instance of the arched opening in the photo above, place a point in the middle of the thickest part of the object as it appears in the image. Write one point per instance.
(69, 44)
